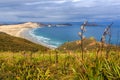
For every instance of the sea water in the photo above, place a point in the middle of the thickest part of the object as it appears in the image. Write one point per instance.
(56, 36)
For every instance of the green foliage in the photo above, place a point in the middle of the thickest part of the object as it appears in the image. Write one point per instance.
(89, 44)
(15, 44)
(69, 66)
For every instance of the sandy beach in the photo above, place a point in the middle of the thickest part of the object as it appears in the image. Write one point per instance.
(16, 29)
(22, 30)
(27, 35)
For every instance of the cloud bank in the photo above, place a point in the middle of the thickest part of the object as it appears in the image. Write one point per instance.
(59, 10)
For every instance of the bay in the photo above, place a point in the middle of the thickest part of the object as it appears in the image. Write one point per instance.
(56, 36)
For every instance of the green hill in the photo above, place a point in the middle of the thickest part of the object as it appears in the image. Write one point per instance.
(15, 44)
(89, 44)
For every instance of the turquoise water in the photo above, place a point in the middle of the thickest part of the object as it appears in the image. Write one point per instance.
(56, 36)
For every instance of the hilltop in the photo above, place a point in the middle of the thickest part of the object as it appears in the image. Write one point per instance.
(89, 44)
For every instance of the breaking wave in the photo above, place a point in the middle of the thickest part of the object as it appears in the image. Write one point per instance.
(44, 40)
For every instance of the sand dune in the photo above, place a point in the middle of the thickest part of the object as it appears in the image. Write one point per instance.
(16, 29)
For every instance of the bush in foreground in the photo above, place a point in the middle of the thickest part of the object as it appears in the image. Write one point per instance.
(55, 65)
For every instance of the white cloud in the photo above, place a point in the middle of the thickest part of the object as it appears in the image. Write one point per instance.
(33, 3)
(76, 0)
(59, 10)
(45, 2)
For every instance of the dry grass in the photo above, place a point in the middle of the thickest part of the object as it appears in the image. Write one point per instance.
(63, 66)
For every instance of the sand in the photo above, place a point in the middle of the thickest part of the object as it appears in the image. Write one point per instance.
(22, 30)
(15, 30)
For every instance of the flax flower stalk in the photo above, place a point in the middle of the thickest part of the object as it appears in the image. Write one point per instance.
(81, 34)
(107, 32)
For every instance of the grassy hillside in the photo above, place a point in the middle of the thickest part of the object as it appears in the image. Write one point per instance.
(55, 65)
(15, 44)
(89, 44)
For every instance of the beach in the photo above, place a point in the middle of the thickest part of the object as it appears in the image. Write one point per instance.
(22, 30)
(26, 34)
(16, 29)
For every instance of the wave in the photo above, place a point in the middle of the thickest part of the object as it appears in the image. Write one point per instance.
(44, 40)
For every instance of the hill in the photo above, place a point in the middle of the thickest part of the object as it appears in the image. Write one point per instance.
(89, 44)
(15, 44)
(54, 64)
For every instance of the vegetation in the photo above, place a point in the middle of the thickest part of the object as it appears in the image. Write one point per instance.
(90, 45)
(55, 65)
(15, 44)
(65, 63)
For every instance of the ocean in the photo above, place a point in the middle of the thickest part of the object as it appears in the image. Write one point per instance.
(56, 36)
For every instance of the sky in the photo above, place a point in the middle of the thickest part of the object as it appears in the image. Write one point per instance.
(59, 10)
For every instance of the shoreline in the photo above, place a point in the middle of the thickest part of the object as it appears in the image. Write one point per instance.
(22, 31)
(26, 35)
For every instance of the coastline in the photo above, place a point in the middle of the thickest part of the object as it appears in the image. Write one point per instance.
(22, 31)
(26, 35)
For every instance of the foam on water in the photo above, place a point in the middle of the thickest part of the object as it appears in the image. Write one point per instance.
(47, 41)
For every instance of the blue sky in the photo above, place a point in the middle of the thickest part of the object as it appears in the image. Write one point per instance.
(59, 10)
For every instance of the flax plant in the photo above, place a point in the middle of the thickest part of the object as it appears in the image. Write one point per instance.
(81, 34)
(107, 32)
